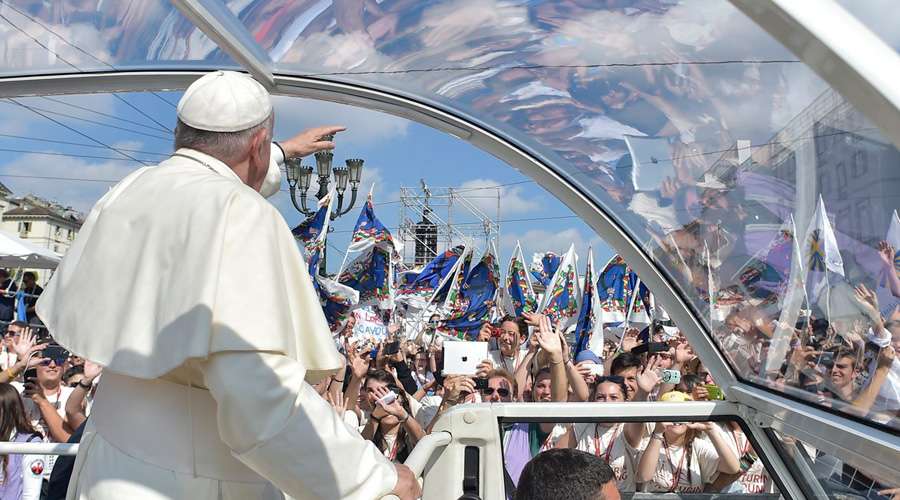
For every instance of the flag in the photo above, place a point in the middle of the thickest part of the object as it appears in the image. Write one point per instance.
(519, 293)
(476, 298)
(374, 251)
(312, 234)
(561, 298)
(589, 327)
(21, 315)
(419, 290)
(616, 286)
(794, 293)
(821, 255)
(449, 291)
(543, 267)
(336, 300)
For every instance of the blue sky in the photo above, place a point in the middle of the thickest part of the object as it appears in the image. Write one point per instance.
(397, 152)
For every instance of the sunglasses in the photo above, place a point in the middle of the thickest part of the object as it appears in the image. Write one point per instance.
(502, 392)
(58, 361)
(611, 378)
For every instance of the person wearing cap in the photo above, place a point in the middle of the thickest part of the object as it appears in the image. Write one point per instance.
(188, 287)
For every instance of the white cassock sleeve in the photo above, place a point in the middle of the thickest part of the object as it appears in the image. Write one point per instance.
(277, 425)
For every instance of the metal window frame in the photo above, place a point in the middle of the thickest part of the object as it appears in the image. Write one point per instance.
(818, 426)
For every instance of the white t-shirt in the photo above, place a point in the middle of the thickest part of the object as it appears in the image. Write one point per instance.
(7, 358)
(613, 448)
(673, 474)
(755, 479)
(508, 363)
(33, 413)
(31, 481)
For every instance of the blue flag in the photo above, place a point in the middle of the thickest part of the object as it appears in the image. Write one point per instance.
(20, 306)
(476, 298)
(421, 288)
(371, 271)
(519, 293)
(563, 292)
(544, 267)
(589, 327)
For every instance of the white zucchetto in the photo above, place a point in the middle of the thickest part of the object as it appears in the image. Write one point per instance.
(224, 101)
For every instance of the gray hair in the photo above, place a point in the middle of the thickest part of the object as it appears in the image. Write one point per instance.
(225, 146)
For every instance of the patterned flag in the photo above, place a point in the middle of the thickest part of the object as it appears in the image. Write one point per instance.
(312, 234)
(370, 271)
(336, 300)
(616, 288)
(544, 266)
(589, 327)
(821, 254)
(519, 293)
(418, 292)
(449, 292)
(476, 298)
(563, 293)
(794, 294)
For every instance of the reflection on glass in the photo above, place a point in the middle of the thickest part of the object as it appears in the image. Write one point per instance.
(75, 36)
(654, 457)
(760, 191)
(838, 478)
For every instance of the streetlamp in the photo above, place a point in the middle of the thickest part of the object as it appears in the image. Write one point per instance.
(300, 176)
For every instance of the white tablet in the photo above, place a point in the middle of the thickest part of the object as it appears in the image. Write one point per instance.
(462, 358)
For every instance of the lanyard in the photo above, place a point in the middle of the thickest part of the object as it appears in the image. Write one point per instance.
(742, 450)
(609, 445)
(395, 448)
(676, 473)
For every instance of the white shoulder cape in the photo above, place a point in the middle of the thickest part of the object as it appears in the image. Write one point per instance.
(180, 261)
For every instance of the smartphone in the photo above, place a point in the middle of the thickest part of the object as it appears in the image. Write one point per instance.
(596, 370)
(481, 384)
(30, 374)
(651, 348)
(827, 358)
(671, 376)
(388, 398)
(714, 392)
(392, 348)
(56, 352)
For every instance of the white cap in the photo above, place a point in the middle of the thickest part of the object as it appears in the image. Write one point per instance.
(224, 101)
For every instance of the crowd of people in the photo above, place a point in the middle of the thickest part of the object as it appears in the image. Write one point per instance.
(394, 392)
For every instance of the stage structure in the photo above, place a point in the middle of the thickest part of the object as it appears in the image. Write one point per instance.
(433, 219)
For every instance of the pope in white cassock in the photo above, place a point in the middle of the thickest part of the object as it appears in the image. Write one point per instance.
(187, 285)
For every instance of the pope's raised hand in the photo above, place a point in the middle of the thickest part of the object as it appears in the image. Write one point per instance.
(310, 141)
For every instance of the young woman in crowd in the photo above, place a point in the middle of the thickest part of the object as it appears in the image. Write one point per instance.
(20, 475)
(617, 444)
(679, 460)
(391, 425)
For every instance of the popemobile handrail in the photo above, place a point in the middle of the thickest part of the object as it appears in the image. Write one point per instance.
(68, 449)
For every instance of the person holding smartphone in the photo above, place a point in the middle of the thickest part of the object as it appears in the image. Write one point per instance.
(391, 425)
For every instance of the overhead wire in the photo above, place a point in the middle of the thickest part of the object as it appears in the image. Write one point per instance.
(79, 144)
(67, 42)
(94, 122)
(107, 115)
(86, 136)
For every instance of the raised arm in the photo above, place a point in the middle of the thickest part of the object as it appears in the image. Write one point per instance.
(277, 425)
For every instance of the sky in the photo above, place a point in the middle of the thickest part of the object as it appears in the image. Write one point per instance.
(71, 149)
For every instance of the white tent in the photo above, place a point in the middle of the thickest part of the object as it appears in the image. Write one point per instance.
(16, 252)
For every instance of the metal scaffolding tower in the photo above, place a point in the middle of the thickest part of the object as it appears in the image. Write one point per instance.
(433, 219)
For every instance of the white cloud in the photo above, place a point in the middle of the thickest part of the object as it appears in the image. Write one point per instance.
(80, 194)
(513, 199)
(364, 127)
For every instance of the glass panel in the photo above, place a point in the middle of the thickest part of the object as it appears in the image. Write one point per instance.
(872, 14)
(702, 458)
(77, 36)
(708, 140)
(838, 478)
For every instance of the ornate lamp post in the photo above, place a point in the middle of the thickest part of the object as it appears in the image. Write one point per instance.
(300, 176)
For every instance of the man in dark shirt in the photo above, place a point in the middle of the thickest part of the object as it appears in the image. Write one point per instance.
(7, 296)
(32, 291)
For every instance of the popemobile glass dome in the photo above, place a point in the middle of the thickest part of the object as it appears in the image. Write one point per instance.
(761, 194)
